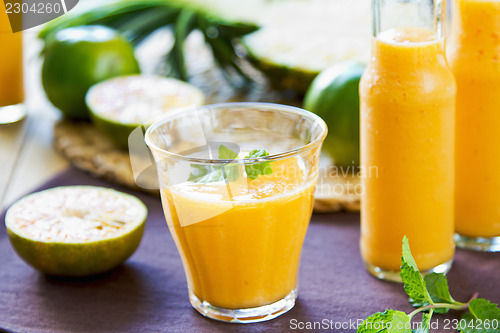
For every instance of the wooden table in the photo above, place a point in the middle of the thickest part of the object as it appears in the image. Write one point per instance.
(27, 157)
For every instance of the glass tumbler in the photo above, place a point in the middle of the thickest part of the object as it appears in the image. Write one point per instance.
(237, 183)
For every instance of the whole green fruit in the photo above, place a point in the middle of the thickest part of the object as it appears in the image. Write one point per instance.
(334, 96)
(77, 58)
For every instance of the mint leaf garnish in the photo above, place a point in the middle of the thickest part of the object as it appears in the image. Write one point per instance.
(425, 325)
(387, 321)
(484, 316)
(226, 153)
(205, 174)
(414, 283)
(432, 295)
(437, 287)
(198, 171)
(231, 172)
(254, 170)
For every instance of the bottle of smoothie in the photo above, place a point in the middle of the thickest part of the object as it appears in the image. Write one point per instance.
(11, 71)
(474, 55)
(407, 140)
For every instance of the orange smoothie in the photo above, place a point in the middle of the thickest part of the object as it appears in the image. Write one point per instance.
(474, 55)
(11, 63)
(240, 243)
(407, 131)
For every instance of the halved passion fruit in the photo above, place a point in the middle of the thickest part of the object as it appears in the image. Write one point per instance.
(120, 105)
(76, 230)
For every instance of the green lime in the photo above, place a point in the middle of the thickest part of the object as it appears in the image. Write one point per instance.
(334, 96)
(120, 105)
(77, 58)
(76, 230)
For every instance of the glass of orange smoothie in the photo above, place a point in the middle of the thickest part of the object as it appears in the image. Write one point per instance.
(474, 55)
(237, 183)
(11, 71)
(407, 133)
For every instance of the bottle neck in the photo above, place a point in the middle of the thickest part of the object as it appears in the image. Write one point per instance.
(396, 14)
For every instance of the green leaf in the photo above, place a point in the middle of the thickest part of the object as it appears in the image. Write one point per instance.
(414, 284)
(254, 170)
(205, 174)
(183, 27)
(426, 322)
(437, 287)
(107, 14)
(230, 172)
(226, 153)
(484, 317)
(389, 321)
(484, 309)
(198, 171)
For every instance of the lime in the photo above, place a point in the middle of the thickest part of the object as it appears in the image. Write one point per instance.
(334, 96)
(77, 58)
(120, 105)
(76, 230)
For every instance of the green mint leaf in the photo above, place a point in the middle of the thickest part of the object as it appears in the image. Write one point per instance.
(198, 171)
(426, 323)
(205, 174)
(211, 173)
(484, 317)
(230, 172)
(254, 170)
(414, 284)
(226, 153)
(390, 321)
(214, 174)
(437, 287)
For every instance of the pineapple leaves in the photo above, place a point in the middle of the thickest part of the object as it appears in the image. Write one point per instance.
(183, 27)
(137, 19)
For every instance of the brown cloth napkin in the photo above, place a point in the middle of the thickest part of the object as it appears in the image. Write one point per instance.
(149, 294)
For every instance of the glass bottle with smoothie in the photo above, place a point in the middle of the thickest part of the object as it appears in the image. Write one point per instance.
(407, 134)
(474, 55)
(11, 71)
(238, 216)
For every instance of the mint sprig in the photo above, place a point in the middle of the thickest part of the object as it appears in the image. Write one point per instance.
(414, 283)
(431, 294)
(481, 313)
(384, 322)
(231, 172)
(254, 170)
